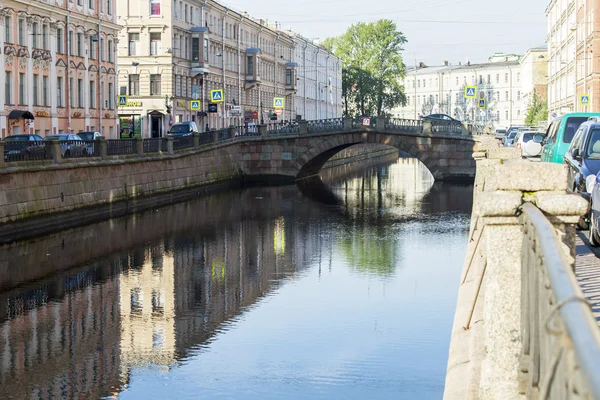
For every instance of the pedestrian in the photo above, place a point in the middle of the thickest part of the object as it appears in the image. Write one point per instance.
(207, 128)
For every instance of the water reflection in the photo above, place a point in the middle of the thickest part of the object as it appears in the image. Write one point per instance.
(243, 283)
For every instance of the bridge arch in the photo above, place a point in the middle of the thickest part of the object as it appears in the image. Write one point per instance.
(439, 157)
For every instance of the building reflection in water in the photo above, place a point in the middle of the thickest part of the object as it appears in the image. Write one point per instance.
(180, 275)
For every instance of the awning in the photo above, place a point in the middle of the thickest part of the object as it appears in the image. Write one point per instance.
(156, 112)
(18, 114)
(199, 71)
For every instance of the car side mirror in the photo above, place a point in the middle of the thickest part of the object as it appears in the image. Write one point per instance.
(168, 132)
(575, 153)
(538, 139)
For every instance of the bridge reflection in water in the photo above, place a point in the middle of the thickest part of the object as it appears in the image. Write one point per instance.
(155, 290)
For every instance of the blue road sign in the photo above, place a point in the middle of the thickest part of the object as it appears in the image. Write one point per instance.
(195, 105)
(216, 96)
(470, 92)
(122, 101)
(585, 99)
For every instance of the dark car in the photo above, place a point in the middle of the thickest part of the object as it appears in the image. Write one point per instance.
(71, 145)
(583, 162)
(440, 117)
(24, 147)
(184, 129)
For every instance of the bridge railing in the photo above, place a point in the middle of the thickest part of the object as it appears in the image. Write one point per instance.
(402, 124)
(439, 126)
(560, 356)
(325, 125)
(283, 128)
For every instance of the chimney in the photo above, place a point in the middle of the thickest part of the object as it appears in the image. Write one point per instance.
(460, 63)
(469, 63)
(422, 65)
(446, 63)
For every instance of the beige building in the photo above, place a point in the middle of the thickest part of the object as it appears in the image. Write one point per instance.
(506, 82)
(59, 64)
(572, 66)
(172, 53)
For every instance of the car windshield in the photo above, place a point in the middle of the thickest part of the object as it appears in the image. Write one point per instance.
(593, 147)
(59, 137)
(571, 127)
(86, 135)
(512, 134)
(527, 136)
(180, 129)
(16, 138)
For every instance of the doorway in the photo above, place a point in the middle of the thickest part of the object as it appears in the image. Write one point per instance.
(156, 126)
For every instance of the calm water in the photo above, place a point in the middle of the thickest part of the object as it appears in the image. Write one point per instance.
(343, 288)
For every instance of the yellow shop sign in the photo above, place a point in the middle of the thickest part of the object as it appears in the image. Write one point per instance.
(134, 104)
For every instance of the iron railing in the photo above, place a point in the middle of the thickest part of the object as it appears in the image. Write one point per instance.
(224, 134)
(154, 145)
(183, 142)
(26, 150)
(206, 138)
(405, 124)
(440, 126)
(242, 131)
(78, 148)
(560, 358)
(326, 125)
(283, 128)
(117, 147)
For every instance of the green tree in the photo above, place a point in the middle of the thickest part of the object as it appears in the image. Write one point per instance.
(537, 111)
(372, 67)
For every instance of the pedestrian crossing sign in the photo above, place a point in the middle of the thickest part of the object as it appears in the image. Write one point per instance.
(585, 99)
(122, 101)
(195, 105)
(278, 102)
(470, 92)
(216, 96)
(482, 103)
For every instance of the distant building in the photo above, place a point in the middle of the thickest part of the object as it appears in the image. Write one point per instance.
(58, 59)
(506, 83)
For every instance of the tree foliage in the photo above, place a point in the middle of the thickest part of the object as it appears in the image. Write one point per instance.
(372, 67)
(537, 111)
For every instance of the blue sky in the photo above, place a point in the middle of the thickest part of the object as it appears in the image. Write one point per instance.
(437, 30)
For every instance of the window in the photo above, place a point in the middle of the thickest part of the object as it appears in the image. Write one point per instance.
(71, 51)
(59, 41)
(518, 95)
(45, 37)
(154, 84)
(134, 85)
(196, 49)
(186, 13)
(36, 89)
(497, 78)
(102, 49)
(505, 78)
(34, 34)
(22, 89)
(71, 92)
(288, 77)
(457, 81)
(186, 52)
(110, 51)
(489, 79)
(8, 87)
(506, 114)
(80, 44)
(205, 50)
(59, 91)
(419, 83)
(108, 6)
(7, 29)
(92, 47)
(80, 93)
(518, 77)
(506, 95)
(45, 91)
(21, 31)
(111, 96)
(155, 43)
(80, 2)
(250, 66)
(91, 4)
(92, 94)
(134, 39)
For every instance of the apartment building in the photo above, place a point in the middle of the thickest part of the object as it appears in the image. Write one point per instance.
(319, 88)
(506, 82)
(172, 53)
(59, 64)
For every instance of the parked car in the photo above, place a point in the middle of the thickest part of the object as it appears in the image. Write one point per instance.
(510, 137)
(24, 147)
(88, 136)
(560, 133)
(529, 143)
(594, 217)
(443, 117)
(184, 129)
(500, 134)
(70, 145)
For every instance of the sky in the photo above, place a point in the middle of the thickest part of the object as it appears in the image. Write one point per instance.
(436, 30)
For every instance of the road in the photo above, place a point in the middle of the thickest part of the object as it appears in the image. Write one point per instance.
(588, 271)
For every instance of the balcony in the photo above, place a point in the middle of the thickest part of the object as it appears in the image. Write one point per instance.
(200, 64)
(290, 77)
(252, 60)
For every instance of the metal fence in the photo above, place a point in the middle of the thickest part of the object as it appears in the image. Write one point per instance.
(78, 148)
(154, 145)
(117, 147)
(283, 128)
(326, 125)
(250, 130)
(183, 142)
(560, 358)
(206, 138)
(404, 124)
(224, 134)
(440, 126)
(26, 150)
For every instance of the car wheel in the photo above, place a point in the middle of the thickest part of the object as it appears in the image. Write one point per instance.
(594, 237)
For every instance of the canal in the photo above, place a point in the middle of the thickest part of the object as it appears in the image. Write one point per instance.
(340, 288)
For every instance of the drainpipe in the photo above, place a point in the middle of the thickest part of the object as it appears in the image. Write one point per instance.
(327, 88)
(585, 56)
(317, 86)
(239, 66)
(67, 79)
(223, 68)
(304, 77)
(99, 95)
(275, 65)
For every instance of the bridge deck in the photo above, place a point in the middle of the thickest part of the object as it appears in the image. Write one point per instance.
(588, 272)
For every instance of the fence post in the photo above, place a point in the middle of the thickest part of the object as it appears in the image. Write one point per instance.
(427, 128)
(216, 136)
(347, 123)
(170, 145)
(196, 140)
(139, 145)
(263, 130)
(2, 152)
(102, 147)
(303, 126)
(55, 150)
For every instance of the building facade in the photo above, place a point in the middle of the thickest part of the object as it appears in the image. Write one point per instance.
(59, 60)
(501, 82)
(319, 89)
(172, 55)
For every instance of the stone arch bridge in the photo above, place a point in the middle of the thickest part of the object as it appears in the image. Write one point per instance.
(299, 150)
